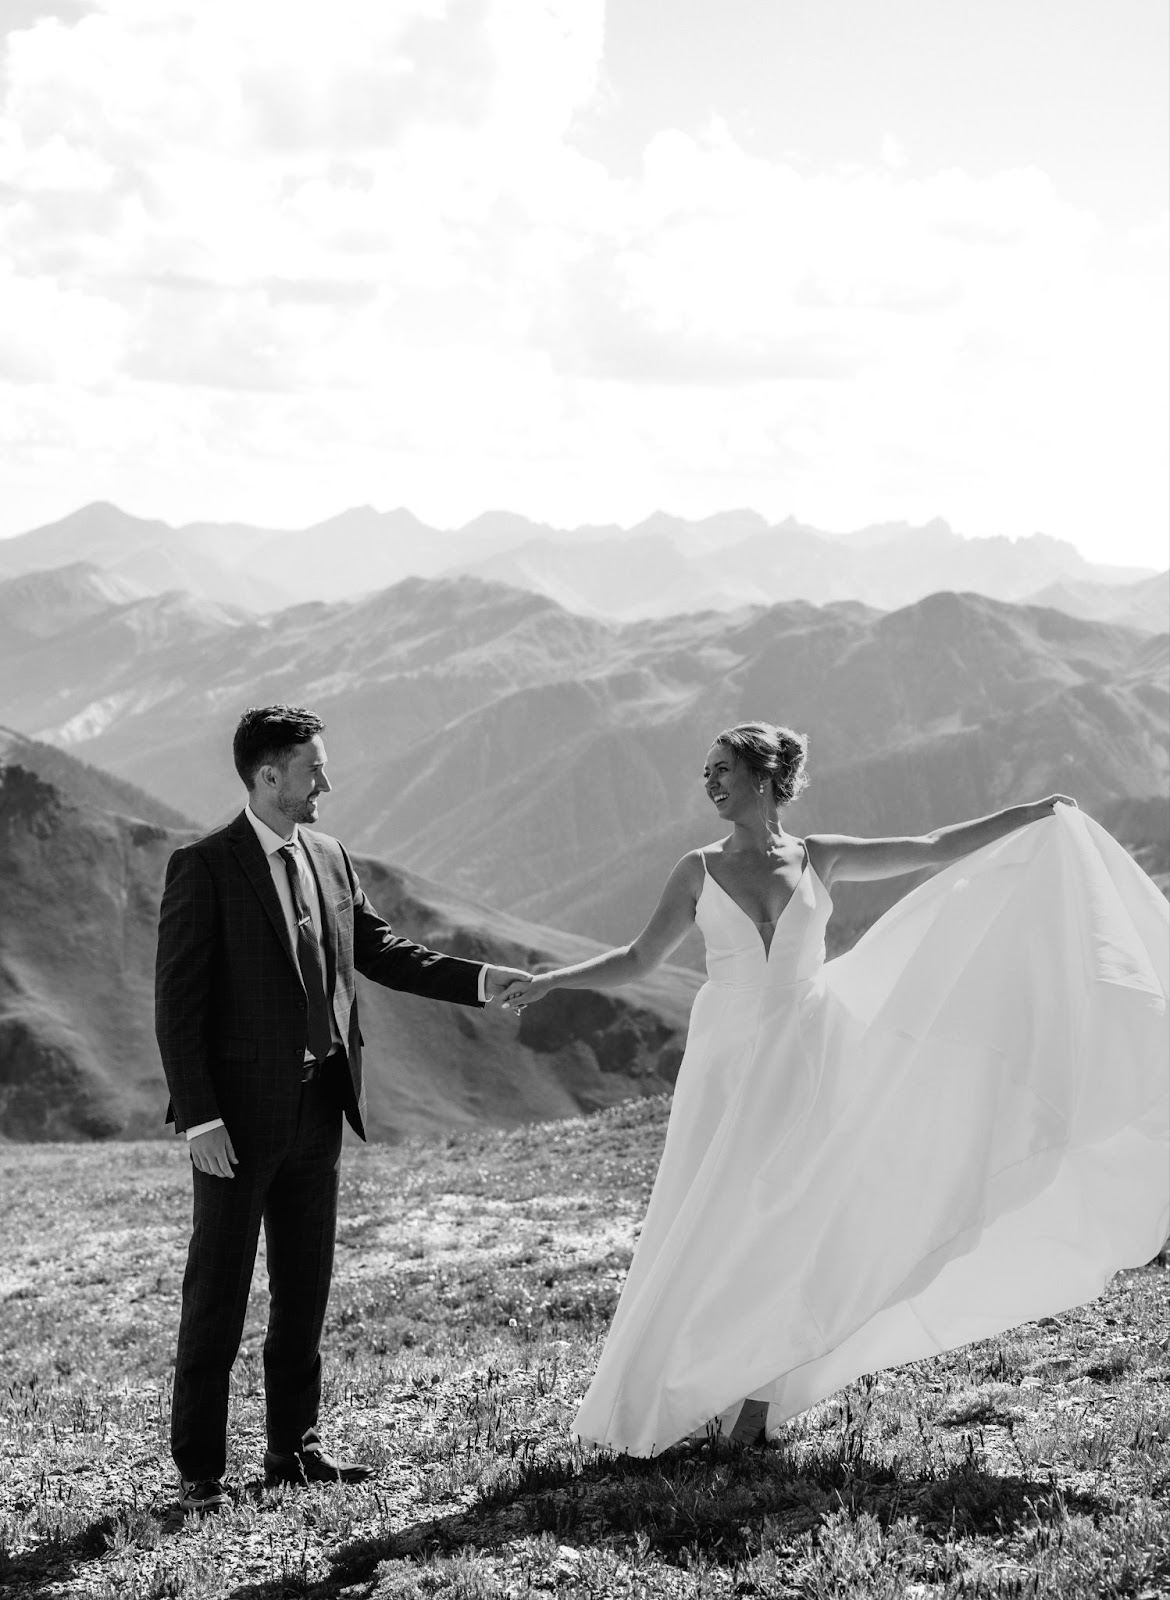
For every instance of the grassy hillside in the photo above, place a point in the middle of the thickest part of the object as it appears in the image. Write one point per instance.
(476, 1275)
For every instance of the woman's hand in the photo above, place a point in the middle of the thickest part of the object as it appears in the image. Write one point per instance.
(1049, 805)
(535, 991)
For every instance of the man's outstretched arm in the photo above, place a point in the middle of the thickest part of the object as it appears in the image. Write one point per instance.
(398, 963)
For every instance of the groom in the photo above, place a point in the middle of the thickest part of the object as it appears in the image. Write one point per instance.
(261, 928)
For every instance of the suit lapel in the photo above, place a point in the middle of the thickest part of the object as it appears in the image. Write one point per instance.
(255, 865)
(319, 862)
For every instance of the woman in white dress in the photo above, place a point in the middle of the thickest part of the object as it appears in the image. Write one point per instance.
(959, 1126)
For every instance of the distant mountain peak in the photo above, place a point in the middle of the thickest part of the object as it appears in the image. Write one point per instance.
(104, 514)
(459, 587)
(497, 522)
(30, 599)
(362, 519)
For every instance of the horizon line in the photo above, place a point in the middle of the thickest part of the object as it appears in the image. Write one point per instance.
(791, 518)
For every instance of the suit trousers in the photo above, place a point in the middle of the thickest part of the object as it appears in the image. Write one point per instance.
(293, 1191)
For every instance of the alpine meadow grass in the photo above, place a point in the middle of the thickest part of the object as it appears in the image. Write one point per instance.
(474, 1281)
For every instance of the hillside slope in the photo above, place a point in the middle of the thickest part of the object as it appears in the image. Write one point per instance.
(84, 785)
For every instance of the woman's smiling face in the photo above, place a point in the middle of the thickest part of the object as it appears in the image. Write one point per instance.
(730, 784)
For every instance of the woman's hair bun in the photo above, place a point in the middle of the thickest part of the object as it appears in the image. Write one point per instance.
(772, 752)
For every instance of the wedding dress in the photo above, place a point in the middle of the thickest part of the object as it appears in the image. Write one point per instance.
(961, 1125)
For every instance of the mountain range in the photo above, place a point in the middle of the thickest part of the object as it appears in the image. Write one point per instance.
(548, 763)
(82, 860)
(662, 566)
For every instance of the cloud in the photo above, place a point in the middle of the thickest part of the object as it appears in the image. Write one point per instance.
(716, 266)
(302, 256)
(643, 355)
(369, 83)
(20, 15)
(631, 316)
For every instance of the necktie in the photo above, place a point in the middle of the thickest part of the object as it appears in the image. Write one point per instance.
(320, 1034)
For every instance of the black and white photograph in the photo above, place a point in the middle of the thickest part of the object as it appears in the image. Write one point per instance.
(584, 799)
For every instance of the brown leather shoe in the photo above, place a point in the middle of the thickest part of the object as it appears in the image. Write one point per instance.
(311, 1465)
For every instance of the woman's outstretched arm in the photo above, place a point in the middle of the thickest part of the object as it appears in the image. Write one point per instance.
(672, 919)
(837, 857)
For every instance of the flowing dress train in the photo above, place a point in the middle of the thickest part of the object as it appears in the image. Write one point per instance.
(961, 1125)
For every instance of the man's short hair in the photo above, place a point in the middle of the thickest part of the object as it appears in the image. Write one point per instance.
(266, 736)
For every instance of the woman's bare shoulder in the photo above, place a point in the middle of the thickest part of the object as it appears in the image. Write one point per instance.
(690, 870)
(691, 866)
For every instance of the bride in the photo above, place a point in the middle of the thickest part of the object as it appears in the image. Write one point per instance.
(959, 1126)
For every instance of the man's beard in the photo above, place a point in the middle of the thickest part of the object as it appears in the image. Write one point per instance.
(297, 810)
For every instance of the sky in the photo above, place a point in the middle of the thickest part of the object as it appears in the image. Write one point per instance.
(261, 260)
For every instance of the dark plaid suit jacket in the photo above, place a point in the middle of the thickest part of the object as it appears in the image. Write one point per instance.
(230, 1008)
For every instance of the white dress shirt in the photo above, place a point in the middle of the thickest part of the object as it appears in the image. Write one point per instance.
(272, 844)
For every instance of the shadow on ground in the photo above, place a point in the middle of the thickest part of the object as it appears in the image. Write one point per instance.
(710, 1501)
(50, 1564)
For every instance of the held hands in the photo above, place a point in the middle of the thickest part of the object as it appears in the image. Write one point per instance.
(518, 996)
(505, 985)
(212, 1153)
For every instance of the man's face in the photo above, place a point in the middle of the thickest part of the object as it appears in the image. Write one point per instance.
(301, 781)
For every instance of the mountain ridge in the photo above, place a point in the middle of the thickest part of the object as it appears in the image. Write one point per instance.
(723, 561)
(548, 763)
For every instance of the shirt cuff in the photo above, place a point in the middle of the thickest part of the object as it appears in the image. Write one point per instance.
(483, 986)
(204, 1127)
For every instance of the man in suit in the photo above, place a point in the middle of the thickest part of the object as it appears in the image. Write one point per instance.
(261, 929)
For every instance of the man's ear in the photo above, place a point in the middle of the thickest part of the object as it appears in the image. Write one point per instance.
(267, 777)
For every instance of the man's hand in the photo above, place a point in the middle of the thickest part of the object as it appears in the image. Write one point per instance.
(212, 1153)
(504, 984)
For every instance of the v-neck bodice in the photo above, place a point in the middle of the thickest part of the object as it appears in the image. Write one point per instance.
(736, 951)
